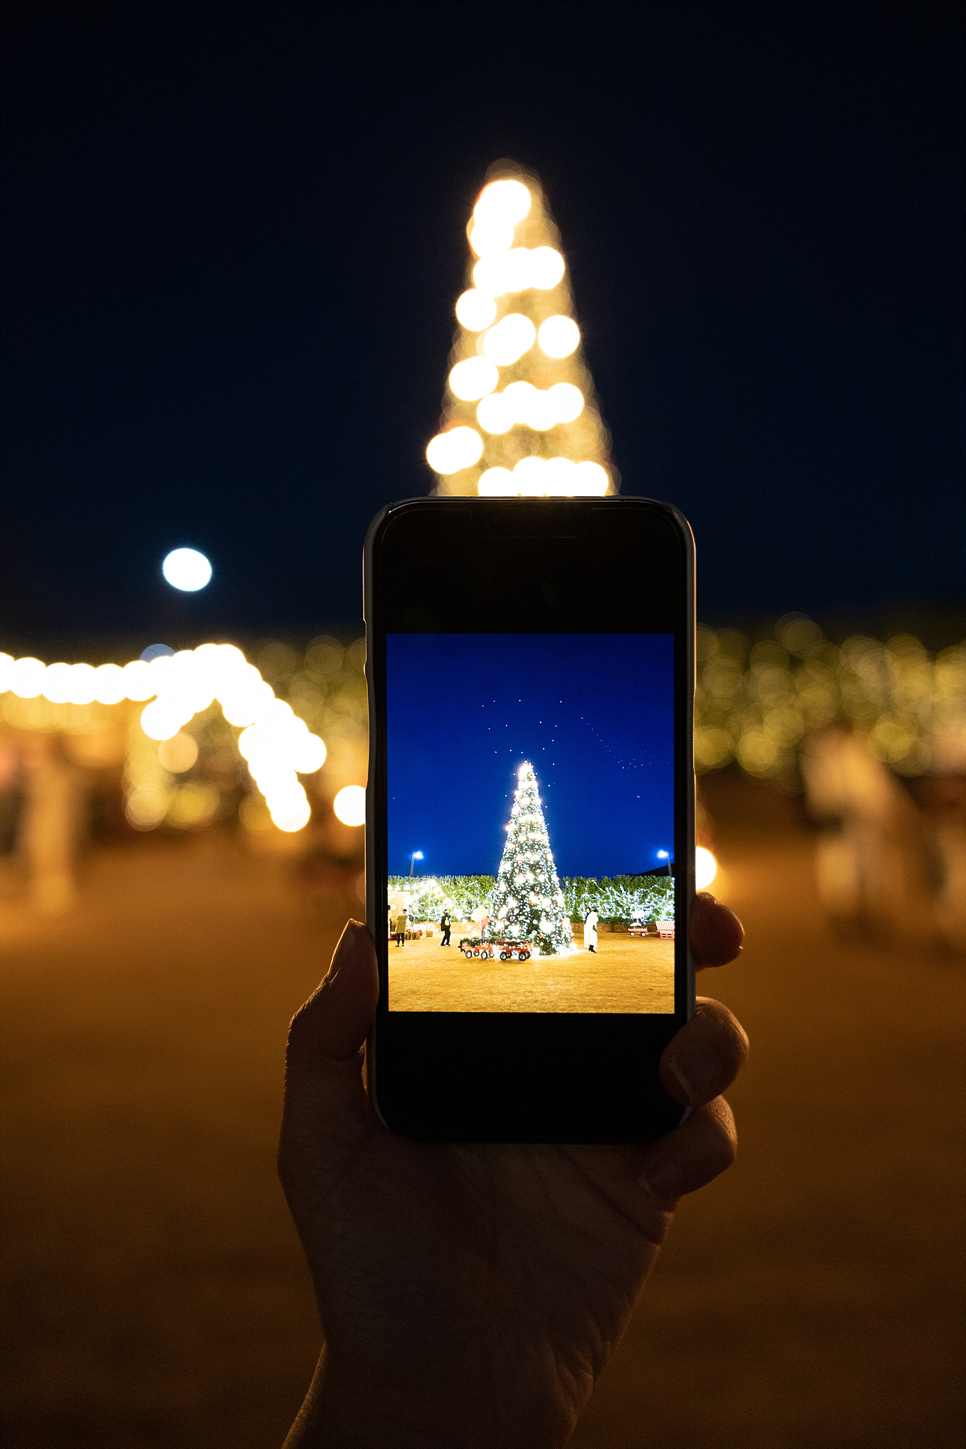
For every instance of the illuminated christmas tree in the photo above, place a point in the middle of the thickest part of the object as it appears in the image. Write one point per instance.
(527, 903)
(520, 415)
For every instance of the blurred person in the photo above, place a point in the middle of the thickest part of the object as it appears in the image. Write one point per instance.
(445, 925)
(872, 863)
(472, 1293)
(49, 824)
(402, 921)
(590, 930)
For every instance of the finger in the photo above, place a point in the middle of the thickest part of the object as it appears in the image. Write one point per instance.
(705, 1056)
(325, 1099)
(336, 1018)
(691, 1156)
(715, 932)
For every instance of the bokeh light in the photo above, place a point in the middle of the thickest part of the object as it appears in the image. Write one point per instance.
(350, 805)
(506, 343)
(705, 867)
(503, 202)
(179, 753)
(458, 448)
(476, 310)
(559, 336)
(474, 377)
(186, 569)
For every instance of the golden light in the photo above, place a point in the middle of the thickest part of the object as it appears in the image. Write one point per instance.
(459, 448)
(161, 721)
(503, 202)
(568, 401)
(546, 268)
(497, 483)
(138, 681)
(495, 414)
(705, 868)
(178, 753)
(518, 398)
(292, 818)
(193, 805)
(350, 805)
(502, 272)
(276, 742)
(57, 683)
(489, 237)
(560, 477)
(559, 336)
(528, 475)
(27, 677)
(592, 480)
(476, 310)
(474, 377)
(506, 343)
(542, 412)
(109, 684)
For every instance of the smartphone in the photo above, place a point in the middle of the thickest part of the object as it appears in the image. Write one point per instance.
(530, 815)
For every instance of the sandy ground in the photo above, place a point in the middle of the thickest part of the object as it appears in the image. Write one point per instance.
(154, 1291)
(626, 974)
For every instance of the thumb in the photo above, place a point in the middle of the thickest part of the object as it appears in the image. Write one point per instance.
(324, 1092)
(336, 1018)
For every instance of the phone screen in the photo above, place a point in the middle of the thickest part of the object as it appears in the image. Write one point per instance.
(530, 822)
(529, 845)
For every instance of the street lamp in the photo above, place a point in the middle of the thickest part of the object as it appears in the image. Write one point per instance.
(663, 855)
(416, 855)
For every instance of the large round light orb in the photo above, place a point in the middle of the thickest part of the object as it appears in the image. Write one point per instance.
(502, 203)
(186, 569)
(449, 452)
(350, 805)
(559, 336)
(473, 378)
(476, 310)
(705, 867)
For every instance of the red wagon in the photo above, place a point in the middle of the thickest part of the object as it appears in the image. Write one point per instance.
(486, 950)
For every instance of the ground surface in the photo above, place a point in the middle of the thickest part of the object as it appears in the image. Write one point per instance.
(627, 973)
(155, 1296)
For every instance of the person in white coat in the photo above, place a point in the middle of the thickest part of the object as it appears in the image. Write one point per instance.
(590, 930)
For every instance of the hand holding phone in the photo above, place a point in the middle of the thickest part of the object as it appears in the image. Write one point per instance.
(472, 1293)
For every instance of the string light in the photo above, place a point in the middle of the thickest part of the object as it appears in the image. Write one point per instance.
(276, 744)
(520, 397)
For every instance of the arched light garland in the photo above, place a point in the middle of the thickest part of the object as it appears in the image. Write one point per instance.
(275, 743)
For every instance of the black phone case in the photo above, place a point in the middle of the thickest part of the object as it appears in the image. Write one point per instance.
(562, 1077)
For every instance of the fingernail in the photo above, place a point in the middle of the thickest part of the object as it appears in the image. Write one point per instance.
(697, 1072)
(662, 1179)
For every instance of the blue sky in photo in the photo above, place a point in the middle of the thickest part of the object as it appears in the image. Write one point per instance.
(592, 712)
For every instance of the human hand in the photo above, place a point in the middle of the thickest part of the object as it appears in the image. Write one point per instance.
(472, 1293)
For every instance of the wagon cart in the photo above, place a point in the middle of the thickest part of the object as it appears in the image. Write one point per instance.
(486, 950)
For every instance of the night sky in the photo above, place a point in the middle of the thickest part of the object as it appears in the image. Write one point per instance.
(592, 713)
(234, 235)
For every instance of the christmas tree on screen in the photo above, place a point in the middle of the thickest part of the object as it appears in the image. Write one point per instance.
(519, 415)
(527, 903)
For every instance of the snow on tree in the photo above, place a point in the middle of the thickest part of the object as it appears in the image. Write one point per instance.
(520, 415)
(527, 903)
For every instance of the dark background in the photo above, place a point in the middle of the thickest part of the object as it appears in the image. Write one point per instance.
(235, 234)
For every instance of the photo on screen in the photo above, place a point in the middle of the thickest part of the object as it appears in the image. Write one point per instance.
(530, 822)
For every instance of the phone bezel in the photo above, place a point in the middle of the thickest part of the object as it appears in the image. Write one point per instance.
(420, 1066)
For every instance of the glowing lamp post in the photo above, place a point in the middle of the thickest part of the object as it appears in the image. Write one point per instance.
(520, 416)
(416, 855)
(663, 855)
